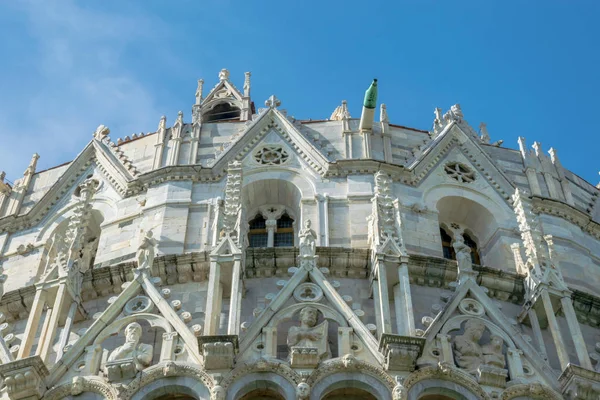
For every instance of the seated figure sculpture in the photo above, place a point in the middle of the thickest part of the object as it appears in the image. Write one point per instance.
(492, 352)
(467, 351)
(309, 337)
(126, 360)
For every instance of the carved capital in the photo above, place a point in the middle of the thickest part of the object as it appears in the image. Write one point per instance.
(218, 351)
(401, 352)
(578, 383)
(24, 379)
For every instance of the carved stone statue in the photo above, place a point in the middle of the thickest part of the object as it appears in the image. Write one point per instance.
(76, 386)
(307, 240)
(140, 354)
(467, 351)
(309, 334)
(146, 251)
(492, 352)
(302, 391)
(463, 255)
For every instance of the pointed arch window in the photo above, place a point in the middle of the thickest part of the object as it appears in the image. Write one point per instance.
(222, 111)
(475, 259)
(284, 236)
(257, 232)
(447, 248)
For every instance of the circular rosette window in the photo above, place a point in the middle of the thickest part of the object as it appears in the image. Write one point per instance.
(271, 155)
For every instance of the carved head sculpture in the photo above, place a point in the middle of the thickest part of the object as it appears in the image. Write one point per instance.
(77, 386)
(302, 391)
(133, 332)
(496, 341)
(474, 330)
(217, 393)
(307, 224)
(309, 316)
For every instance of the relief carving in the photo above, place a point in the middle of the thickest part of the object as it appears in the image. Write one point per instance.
(467, 351)
(308, 342)
(125, 361)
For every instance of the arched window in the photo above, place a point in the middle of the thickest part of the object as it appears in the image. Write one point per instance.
(349, 394)
(257, 232)
(474, 252)
(222, 111)
(447, 248)
(284, 237)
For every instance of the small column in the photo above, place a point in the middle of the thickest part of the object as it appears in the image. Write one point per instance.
(216, 221)
(32, 323)
(270, 341)
(271, 225)
(213, 311)
(233, 325)
(537, 332)
(384, 297)
(48, 339)
(64, 336)
(348, 144)
(366, 136)
(575, 331)
(378, 321)
(44, 330)
(344, 342)
(93, 355)
(515, 365)
(446, 348)
(563, 356)
(403, 302)
(168, 346)
(160, 142)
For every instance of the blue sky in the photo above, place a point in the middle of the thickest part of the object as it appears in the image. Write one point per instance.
(526, 68)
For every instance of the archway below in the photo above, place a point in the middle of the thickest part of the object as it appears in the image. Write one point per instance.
(176, 396)
(349, 394)
(262, 394)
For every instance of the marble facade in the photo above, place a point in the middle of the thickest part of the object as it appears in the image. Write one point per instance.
(247, 255)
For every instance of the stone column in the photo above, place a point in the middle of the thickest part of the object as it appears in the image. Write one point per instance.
(537, 332)
(515, 365)
(233, 325)
(348, 144)
(575, 331)
(563, 356)
(446, 349)
(403, 302)
(93, 354)
(47, 340)
(44, 330)
(344, 342)
(168, 346)
(378, 321)
(64, 336)
(271, 225)
(324, 220)
(270, 341)
(32, 322)
(213, 311)
(384, 297)
(366, 137)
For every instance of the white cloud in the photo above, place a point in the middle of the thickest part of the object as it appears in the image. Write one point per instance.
(82, 77)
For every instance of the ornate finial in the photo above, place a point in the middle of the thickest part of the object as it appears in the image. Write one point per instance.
(537, 146)
(162, 125)
(247, 84)
(199, 91)
(553, 155)
(273, 102)
(32, 164)
(485, 137)
(224, 75)
(179, 117)
(2, 176)
(383, 115)
(340, 112)
(101, 132)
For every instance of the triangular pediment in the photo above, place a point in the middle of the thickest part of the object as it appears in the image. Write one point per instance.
(140, 300)
(269, 123)
(471, 303)
(454, 139)
(289, 300)
(95, 157)
(223, 91)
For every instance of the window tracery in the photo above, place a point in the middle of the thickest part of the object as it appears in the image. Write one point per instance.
(271, 227)
(459, 172)
(271, 155)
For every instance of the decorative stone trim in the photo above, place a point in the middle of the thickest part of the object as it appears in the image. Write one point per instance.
(349, 363)
(533, 390)
(24, 378)
(401, 352)
(218, 351)
(80, 385)
(449, 373)
(578, 383)
(165, 369)
(263, 365)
